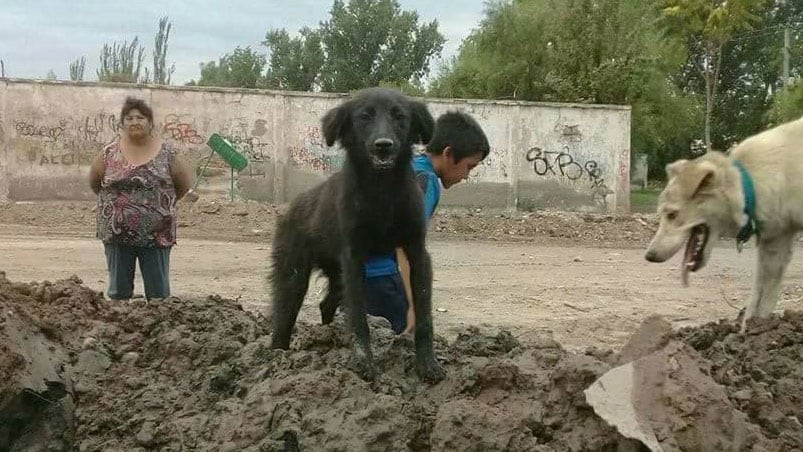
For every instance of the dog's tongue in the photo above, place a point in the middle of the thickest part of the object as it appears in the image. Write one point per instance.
(684, 266)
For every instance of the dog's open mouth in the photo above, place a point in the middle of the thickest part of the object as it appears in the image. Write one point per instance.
(382, 163)
(693, 256)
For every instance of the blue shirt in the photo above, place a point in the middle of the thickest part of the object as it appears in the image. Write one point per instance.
(427, 178)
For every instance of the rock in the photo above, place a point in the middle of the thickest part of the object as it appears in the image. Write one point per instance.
(145, 437)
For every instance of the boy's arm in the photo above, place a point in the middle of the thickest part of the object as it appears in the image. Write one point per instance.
(428, 185)
(404, 269)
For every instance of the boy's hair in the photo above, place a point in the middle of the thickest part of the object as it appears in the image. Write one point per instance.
(460, 132)
(132, 103)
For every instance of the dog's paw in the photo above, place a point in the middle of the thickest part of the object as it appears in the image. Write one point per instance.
(431, 371)
(280, 343)
(365, 369)
(363, 363)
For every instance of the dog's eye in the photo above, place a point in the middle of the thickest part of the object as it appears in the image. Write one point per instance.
(671, 215)
(365, 116)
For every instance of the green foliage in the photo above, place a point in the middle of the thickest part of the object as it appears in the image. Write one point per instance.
(161, 73)
(788, 104)
(364, 43)
(707, 26)
(605, 51)
(242, 68)
(294, 63)
(121, 62)
(77, 68)
(372, 41)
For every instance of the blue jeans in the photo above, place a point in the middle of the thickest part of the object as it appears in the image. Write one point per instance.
(385, 297)
(154, 265)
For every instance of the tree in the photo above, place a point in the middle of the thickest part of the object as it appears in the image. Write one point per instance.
(51, 75)
(750, 75)
(373, 41)
(708, 25)
(295, 63)
(161, 73)
(121, 62)
(77, 69)
(589, 51)
(242, 68)
(364, 43)
(788, 104)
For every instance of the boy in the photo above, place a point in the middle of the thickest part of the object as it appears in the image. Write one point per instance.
(458, 145)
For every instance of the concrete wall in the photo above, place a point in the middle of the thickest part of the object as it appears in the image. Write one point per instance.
(574, 157)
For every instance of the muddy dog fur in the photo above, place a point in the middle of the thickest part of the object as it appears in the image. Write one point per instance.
(373, 205)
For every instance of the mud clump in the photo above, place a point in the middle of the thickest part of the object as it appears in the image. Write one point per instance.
(81, 372)
(761, 370)
(199, 374)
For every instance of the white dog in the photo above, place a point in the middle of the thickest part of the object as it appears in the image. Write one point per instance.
(755, 190)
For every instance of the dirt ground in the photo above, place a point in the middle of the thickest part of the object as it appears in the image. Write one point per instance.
(580, 276)
(531, 310)
(78, 372)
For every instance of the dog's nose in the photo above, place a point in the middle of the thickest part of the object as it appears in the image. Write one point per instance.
(383, 143)
(651, 256)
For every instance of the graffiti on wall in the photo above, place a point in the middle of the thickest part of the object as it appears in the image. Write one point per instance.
(494, 164)
(251, 141)
(313, 154)
(42, 156)
(181, 129)
(566, 166)
(624, 167)
(65, 142)
(569, 133)
(101, 128)
(48, 133)
(75, 141)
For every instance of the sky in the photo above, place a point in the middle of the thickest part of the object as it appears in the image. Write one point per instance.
(39, 36)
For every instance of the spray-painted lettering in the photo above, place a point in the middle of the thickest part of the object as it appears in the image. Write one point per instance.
(313, 153)
(49, 133)
(65, 158)
(183, 132)
(252, 147)
(564, 164)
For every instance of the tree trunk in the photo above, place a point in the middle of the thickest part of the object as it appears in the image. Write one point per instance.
(709, 107)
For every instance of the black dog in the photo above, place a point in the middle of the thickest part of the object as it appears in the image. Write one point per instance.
(371, 206)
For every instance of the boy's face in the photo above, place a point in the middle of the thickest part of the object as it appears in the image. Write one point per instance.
(454, 173)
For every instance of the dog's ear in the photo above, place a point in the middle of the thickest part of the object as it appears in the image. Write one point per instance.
(421, 123)
(672, 169)
(706, 174)
(335, 123)
(697, 177)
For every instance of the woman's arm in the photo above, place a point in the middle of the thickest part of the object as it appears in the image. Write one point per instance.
(96, 172)
(182, 176)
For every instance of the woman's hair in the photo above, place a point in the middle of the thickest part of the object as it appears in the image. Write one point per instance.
(132, 103)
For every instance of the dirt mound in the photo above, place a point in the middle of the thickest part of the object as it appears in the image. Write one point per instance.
(198, 374)
(80, 371)
(761, 370)
(219, 219)
(631, 230)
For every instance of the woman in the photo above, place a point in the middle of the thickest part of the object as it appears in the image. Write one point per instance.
(138, 180)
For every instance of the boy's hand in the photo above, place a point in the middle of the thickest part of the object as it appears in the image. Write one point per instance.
(410, 329)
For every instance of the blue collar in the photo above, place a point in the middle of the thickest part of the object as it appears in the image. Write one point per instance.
(752, 226)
